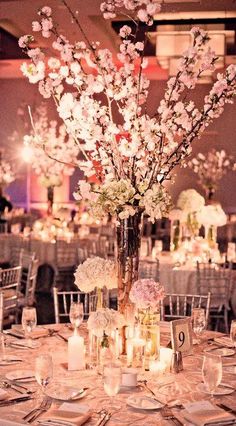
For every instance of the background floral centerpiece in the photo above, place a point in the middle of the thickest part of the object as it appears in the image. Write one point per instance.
(190, 202)
(130, 152)
(53, 152)
(210, 168)
(211, 216)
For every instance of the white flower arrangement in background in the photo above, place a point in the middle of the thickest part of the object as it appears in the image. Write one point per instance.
(105, 320)
(53, 153)
(95, 272)
(211, 167)
(7, 175)
(190, 201)
(212, 215)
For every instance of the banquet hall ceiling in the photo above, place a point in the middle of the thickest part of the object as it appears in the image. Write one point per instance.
(16, 17)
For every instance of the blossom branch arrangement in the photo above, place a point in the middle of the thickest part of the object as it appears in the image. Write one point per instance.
(53, 152)
(7, 175)
(131, 160)
(210, 168)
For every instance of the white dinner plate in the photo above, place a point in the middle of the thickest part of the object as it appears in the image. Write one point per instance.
(220, 390)
(229, 369)
(144, 403)
(220, 351)
(22, 375)
(9, 360)
(64, 392)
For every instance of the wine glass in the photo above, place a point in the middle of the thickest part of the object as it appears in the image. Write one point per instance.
(112, 381)
(233, 332)
(212, 372)
(43, 371)
(29, 322)
(76, 314)
(198, 321)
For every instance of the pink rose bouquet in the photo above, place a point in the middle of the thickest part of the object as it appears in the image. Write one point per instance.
(146, 293)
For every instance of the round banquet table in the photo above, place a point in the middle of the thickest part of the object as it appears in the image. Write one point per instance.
(184, 385)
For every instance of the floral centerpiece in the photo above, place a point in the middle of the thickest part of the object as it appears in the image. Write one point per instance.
(190, 202)
(211, 216)
(210, 168)
(146, 295)
(130, 151)
(7, 175)
(53, 152)
(96, 273)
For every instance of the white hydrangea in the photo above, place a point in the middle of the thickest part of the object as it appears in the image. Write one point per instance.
(105, 321)
(212, 215)
(94, 273)
(190, 201)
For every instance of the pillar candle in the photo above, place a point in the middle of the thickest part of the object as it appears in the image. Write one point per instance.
(76, 358)
(129, 349)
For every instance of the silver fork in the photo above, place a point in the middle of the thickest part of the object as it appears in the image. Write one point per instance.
(33, 414)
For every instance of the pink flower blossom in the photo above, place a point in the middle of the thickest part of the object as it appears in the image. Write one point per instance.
(146, 293)
(36, 26)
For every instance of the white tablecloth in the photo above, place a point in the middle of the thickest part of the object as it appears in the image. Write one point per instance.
(182, 386)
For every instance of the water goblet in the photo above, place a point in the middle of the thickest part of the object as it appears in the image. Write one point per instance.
(29, 322)
(233, 332)
(198, 321)
(112, 382)
(76, 314)
(212, 372)
(43, 371)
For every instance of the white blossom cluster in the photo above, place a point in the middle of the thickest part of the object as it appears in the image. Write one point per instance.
(212, 215)
(95, 272)
(190, 201)
(53, 152)
(105, 321)
(141, 151)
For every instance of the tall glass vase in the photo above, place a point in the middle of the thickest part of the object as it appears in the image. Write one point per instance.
(149, 331)
(50, 199)
(127, 256)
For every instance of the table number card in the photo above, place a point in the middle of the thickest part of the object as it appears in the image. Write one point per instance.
(181, 335)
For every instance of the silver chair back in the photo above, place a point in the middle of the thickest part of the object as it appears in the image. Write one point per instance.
(176, 306)
(62, 301)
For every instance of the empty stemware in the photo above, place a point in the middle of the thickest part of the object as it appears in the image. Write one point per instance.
(29, 322)
(112, 382)
(198, 321)
(43, 371)
(76, 314)
(212, 372)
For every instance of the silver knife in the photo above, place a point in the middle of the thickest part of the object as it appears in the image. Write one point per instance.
(15, 400)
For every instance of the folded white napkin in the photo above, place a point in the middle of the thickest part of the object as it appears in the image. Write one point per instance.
(203, 413)
(224, 341)
(68, 412)
(210, 417)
